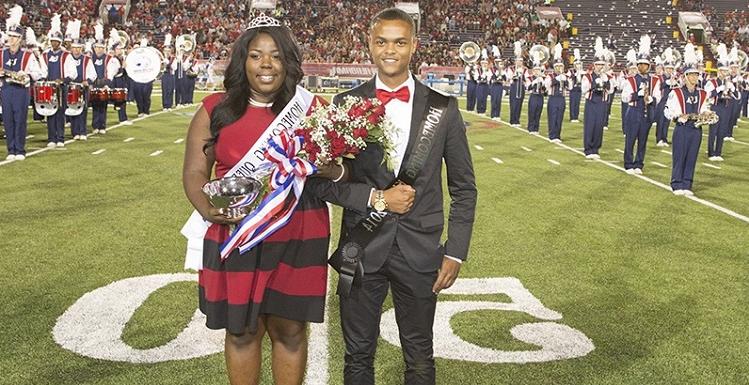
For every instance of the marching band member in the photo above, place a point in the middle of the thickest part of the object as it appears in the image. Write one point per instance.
(182, 66)
(642, 92)
(557, 85)
(142, 91)
(534, 84)
(86, 76)
(120, 78)
(472, 76)
(167, 77)
(106, 67)
(574, 75)
(517, 90)
(669, 80)
(61, 68)
(191, 72)
(745, 95)
(608, 69)
(482, 88)
(622, 78)
(682, 106)
(724, 93)
(33, 46)
(737, 81)
(497, 84)
(596, 87)
(17, 68)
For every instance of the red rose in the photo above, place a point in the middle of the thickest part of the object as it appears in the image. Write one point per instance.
(360, 132)
(367, 104)
(374, 118)
(332, 134)
(337, 147)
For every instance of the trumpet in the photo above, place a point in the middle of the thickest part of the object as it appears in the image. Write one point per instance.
(705, 118)
(20, 78)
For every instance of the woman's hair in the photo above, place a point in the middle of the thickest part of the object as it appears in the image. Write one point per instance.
(234, 103)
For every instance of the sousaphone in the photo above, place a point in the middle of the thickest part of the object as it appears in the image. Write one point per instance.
(469, 52)
(143, 64)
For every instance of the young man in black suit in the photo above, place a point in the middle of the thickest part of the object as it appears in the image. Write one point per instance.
(394, 218)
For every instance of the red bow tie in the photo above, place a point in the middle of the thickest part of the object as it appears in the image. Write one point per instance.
(386, 96)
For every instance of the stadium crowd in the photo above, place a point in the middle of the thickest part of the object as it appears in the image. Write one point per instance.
(335, 31)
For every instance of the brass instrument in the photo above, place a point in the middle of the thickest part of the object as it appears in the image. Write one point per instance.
(19, 78)
(708, 117)
(185, 42)
(540, 53)
(469, 52)
(743, 60)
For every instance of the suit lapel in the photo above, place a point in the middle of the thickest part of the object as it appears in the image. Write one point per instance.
(420, 100)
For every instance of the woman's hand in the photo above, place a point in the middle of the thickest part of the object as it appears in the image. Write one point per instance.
(217, 215)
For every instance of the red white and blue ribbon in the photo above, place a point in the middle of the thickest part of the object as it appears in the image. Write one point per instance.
(275, 210)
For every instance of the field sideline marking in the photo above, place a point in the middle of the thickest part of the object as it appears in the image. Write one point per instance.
(704, 202)
(43, 149)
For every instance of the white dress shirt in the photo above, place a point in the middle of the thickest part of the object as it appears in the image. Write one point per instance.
(399, 112)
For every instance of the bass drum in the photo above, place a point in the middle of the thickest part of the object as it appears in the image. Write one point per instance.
(143, 64)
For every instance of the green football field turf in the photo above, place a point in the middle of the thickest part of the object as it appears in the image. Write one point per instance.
(656, 282)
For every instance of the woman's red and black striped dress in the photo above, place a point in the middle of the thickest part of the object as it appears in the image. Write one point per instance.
(286, 274)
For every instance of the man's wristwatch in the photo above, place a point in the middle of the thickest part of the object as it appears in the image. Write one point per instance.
(379, 201)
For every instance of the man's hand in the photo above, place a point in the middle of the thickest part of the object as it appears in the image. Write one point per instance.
(447, 275)
(400, 198)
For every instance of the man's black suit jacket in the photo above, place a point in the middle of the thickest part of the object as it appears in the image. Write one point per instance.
(419, 231)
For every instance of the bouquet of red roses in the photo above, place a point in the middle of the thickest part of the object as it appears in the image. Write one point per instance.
(333, 132)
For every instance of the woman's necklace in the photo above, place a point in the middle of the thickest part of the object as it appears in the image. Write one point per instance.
(255, 103)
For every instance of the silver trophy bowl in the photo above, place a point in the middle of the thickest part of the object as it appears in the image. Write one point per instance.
(236, 195)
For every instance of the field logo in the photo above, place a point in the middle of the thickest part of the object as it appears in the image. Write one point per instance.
(557, 341)
(93, 325)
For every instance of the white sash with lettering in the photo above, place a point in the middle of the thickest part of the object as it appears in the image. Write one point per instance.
(287, 121)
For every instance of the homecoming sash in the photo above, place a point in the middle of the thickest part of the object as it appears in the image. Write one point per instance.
(287, 121)
(347, 259)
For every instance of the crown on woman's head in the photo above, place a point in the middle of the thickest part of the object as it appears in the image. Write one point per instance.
(263, 21)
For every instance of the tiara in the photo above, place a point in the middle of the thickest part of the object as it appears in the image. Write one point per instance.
(263, 21)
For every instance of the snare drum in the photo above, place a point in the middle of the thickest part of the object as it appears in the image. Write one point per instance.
(75, 94)
(74, 98)
(118, 95)
(99, 95)
(46, 97)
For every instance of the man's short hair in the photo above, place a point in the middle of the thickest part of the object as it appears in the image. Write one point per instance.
(394, 14)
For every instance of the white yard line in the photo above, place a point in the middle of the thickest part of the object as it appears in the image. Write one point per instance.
(156, 153)
(497, 160)
(41, 150)
(476, 146)
(129, 139)
(704, 202)
(29, 136)
(620, 150)
(97, 152)
(667, 152)
(659, 164)
(178, 141)
(523, 147)
(317, 354)
(554, 162)
(711, 165)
